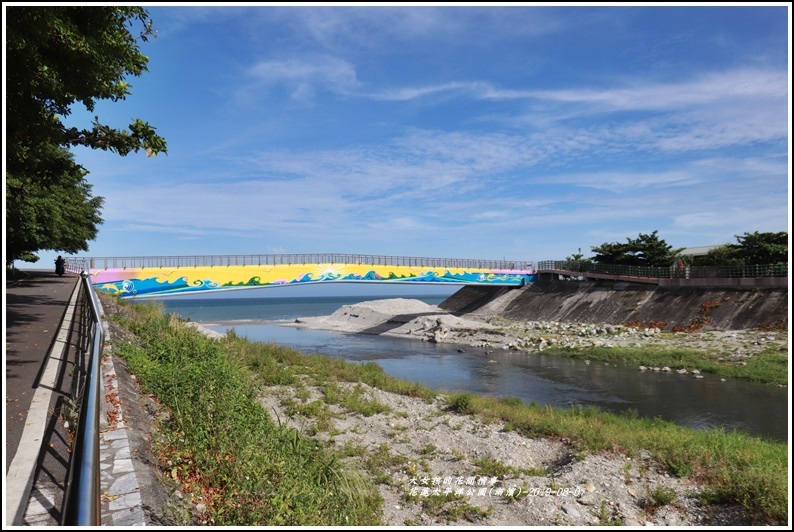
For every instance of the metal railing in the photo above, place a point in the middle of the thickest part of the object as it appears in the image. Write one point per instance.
(81, 505)
(102, 263)
(728, 271)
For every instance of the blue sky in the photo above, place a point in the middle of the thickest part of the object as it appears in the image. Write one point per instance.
(525, 133)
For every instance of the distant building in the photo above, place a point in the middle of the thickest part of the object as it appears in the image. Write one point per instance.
(698, 251)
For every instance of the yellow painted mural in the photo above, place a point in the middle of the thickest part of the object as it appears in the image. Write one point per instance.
(186, 279)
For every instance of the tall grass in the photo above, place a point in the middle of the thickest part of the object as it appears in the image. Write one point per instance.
(223, 447)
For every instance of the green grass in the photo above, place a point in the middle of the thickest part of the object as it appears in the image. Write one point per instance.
(224, 448)
(461, 402)
(13, 275)
(490, 467)
(771, 366)
(736, 468)
(448, 507)
(252, 471)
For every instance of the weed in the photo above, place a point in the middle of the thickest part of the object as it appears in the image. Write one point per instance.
(447, 506)
(461, 403)
(606, 516)
(658, 497)
(663, 496)
(459, 456)
(428, 449)
(491, 467)
(513, 495)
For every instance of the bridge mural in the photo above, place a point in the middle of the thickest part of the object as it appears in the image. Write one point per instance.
(159, 276)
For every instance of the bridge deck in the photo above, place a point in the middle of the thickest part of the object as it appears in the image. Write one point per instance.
(605, 276)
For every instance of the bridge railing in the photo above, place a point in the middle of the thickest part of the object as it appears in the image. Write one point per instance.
(102, 263)
(670, 272)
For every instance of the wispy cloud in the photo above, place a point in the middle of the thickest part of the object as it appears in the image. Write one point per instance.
(706, 89)
(303, 77)
(382, 27)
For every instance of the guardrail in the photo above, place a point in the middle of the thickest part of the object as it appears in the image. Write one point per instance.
(730, 271)
(81, 505)
(101, 263)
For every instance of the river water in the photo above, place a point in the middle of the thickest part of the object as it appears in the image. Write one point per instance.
(757, 409)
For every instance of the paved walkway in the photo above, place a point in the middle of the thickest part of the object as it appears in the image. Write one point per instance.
(40, 352)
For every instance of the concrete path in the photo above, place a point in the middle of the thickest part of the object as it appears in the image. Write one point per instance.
(41, 347)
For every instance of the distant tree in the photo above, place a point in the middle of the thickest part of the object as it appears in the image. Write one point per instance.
(577, 257)
(612, 253)
(57, 56)
(751, 248)
(763, 248)
(724, 255)
(645, 250)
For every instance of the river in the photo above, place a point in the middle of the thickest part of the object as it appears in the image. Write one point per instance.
(757, 409)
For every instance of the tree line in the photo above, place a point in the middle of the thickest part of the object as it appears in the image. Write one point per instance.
(56, 57)
(650, 250)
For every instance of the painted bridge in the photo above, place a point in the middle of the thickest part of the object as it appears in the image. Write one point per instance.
(160, 276)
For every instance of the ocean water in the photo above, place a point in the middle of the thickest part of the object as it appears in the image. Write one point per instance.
(699, 403)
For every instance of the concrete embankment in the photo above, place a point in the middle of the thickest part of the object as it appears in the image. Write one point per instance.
(621, 302)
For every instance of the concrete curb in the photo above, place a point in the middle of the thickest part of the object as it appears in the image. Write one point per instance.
(121, 503)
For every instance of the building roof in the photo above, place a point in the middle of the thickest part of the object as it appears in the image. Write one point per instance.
(699, 250)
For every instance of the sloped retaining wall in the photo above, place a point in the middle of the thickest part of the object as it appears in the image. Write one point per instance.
(733, 308)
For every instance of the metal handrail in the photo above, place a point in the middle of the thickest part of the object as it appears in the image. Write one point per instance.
(102, 263)
(676, 271)
(81, 502)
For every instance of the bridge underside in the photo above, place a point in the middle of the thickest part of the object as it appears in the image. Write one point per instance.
(139, 282)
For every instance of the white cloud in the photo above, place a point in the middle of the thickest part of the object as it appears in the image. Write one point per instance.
(302, 77)
(716, 87)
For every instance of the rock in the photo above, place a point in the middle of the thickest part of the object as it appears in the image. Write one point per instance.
(570, 510)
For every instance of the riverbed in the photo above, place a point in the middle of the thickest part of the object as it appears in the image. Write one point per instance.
(708, 402)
